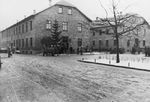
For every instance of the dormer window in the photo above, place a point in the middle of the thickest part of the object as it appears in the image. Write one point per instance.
(48, 24)
(69, 11)
(60, 10)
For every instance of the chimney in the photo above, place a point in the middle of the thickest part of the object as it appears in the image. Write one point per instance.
(34, 12)
(97, 18)
(50, 3)
(24, 16)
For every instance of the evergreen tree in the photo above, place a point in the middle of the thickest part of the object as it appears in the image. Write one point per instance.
(55, 34)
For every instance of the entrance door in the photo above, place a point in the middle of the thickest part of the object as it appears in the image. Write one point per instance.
(65, 44)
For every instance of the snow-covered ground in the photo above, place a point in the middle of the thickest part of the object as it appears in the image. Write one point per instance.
(127, 60)
(30, 78)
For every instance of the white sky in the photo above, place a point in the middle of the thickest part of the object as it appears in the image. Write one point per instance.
(13, 10)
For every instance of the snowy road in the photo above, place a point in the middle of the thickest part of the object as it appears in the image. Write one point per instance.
(25, 78)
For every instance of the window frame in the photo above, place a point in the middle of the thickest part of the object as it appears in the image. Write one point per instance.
(79, 27)
(26, 42)
(115, 42)
(22, 28)
(22, 43)
(60, 10)
(31, 42)
(128, 43)
(107, 43)
(49, 25)
(93, 42)
(69, 11)
(65, 26)
(31, 25)
(144, 42)
(26, 26)
(100, 32)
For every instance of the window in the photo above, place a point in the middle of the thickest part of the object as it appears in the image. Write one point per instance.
(128, 43)
(143, 42)
(60, 10)
(107, 31)
(31, 42)
(26, 42)
(93, 43)
(65, 26)
(115, 42)
(107, 42)
(93, 33)
(19, 29)
(100, 32)
(30, 25)
(70, 11)
(100, 42)
(14, 43)
(22, 28)
(48, 24)
(16, 30)
(136, 42)
(26, 26)
(22, 43)
(79, 27)
(19, 43)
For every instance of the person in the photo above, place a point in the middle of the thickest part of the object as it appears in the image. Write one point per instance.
(9, 51)
(81, 50)
(78, 50)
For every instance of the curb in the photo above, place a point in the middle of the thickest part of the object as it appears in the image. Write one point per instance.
(114, 65)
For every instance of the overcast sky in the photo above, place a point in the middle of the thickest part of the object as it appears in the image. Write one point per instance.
(13, 10)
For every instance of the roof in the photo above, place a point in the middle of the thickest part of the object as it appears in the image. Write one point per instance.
(25, 19)
(61, 2)
(64, 3)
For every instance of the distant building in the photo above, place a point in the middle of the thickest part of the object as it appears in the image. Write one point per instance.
(26, 34)
(102, 41)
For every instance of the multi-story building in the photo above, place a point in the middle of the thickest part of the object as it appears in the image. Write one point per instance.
(26, 34)
(102, 40)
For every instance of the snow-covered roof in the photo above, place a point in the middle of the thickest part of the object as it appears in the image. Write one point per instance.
(64, 3)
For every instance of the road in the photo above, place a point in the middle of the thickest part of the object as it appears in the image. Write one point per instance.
(30, 78)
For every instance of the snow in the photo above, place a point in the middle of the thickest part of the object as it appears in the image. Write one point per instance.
(31, 78)
(127, 60)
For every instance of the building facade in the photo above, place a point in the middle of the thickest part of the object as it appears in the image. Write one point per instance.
(101, 40)
(26, 34)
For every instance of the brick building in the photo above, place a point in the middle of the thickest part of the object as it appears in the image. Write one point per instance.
(101, 40)
(26, 34)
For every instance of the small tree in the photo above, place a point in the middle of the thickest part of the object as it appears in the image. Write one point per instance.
(55, 34)
(121, 25)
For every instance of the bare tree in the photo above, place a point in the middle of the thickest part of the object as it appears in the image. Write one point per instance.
(121, 24)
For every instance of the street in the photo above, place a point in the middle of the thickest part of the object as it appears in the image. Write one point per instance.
(34, 78)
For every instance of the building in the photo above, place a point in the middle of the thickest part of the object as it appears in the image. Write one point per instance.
(26, 34)
(102, 41)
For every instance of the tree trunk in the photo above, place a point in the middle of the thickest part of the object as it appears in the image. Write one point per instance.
(117, 45)
(118, 59)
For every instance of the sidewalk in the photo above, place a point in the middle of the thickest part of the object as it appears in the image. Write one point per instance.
(135, 62)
